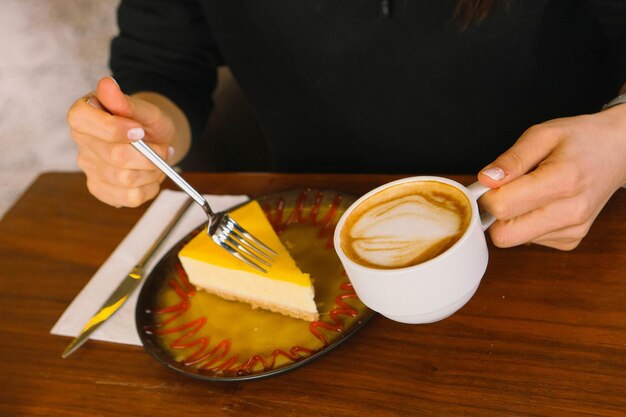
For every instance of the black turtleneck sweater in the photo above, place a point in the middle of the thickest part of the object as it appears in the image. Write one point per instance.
(378, 85)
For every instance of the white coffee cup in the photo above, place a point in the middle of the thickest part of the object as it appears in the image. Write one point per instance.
(431, 290)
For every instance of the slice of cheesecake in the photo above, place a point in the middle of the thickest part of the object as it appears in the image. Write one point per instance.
(283, 289)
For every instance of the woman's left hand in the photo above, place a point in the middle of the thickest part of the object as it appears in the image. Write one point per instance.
(554, 181)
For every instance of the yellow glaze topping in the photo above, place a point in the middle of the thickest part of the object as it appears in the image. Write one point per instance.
(251, 218)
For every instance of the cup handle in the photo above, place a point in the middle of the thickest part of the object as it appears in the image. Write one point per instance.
(477, 190)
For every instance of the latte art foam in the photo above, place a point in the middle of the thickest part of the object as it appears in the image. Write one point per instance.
(406, 224)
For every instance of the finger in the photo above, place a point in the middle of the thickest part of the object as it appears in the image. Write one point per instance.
(121, 197)
(541, 187)
(93, 101)
(530, 149)
(92, 165)
(111, 97)
(534, 225)
(89, 119)
(565, 239)
(120, 154)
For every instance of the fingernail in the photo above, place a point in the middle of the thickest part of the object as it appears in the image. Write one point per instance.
(494, 173)
(94, 102)
(135, 133)
(170, 153)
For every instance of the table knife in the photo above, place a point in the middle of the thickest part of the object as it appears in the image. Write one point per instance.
(124, 289)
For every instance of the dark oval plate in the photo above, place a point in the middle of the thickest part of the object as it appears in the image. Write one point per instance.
(210, 338)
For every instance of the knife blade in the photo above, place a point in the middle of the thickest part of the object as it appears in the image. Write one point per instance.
(119, 296)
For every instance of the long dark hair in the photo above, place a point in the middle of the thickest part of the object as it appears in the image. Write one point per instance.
(470, 12)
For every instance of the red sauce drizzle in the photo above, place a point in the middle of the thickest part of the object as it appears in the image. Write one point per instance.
(216, 359)
(342, 309)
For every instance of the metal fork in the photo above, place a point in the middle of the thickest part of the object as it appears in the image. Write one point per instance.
(222, 229)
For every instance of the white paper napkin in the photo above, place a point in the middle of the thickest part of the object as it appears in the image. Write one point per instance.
(120, 328)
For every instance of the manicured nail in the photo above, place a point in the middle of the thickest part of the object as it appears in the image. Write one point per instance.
(170, 153)
(135, 133)
(494, 173)
(94, 102)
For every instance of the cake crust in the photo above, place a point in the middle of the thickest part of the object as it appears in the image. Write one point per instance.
(254, 303)
(283, 289)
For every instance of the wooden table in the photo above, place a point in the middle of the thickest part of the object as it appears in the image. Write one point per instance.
(544, 335)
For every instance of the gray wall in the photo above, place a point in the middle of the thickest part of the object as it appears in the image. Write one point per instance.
(51, 53)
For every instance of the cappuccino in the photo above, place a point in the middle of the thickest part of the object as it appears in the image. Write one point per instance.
(406, 224)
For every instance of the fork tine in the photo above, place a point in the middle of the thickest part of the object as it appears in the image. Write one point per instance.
(223, 244)
(233, 225)
(237, 244)
(226, 224)
(250, 246)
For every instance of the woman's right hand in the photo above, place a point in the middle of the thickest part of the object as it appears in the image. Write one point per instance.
(102, 124)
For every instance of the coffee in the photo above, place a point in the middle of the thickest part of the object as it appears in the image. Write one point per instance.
(406, 224)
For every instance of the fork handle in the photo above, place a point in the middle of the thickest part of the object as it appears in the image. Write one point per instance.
(146, 151)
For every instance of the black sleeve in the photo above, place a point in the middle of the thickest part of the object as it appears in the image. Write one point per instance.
(611, 14)
(165, 46)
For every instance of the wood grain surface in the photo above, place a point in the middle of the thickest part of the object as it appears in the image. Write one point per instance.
(545, 334)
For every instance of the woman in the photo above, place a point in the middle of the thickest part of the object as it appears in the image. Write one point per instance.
(404, 86)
